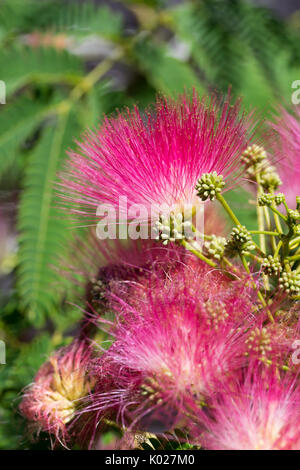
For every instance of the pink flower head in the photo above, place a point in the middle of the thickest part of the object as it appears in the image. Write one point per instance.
(217, 299)
(155, 159)
(262, 413)
(169, 350)
(286, 149)
(51, 402)
(100, 267)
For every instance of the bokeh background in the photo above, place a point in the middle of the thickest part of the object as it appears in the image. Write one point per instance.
(67, 63)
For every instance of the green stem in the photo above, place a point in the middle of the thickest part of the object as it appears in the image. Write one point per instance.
(229, 211)
(244, 263)
(254, 257)
(201, 235)
(279, 214)
(259, 294)
(86, 83)
(286, 206)
(264, 232)
(268, 221)
(293, 258)
(233, 217)
(198, 254)
(276, 252)
(260, 214)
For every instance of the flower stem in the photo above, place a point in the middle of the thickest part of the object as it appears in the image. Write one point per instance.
(276, 252)
(229, 211)
(259, 294)
(293, 258)
(279, 214)
(197, 253)
(260, 214)
(264, 232)
(294, 243)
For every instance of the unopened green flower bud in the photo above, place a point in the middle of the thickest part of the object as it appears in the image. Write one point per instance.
(266, 199)
(296, 229)
(271, 266)
(279, 199)
(253, 154)
(240, 242)
(209, 185)
(293, 215)
(290, 282)
(270, 179)
(173, 228)
(215, 247)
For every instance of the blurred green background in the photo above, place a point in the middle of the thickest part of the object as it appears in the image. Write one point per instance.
(65, 64)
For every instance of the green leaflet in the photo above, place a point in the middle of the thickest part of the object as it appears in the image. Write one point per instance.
(73, 17)
(22, 65)
(225, 37)
(165, 73)
(43, 229)
(17, 121)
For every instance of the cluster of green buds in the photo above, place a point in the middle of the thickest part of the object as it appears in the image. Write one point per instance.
(173, 228)
(279, 199)
(256, 163)
(209, 185)
(271, 266)
(254, 159)
(259, 341)
(269, 178)
(293, 215)
(293, 218)
(266, 199)
(215, 247)
(216, 312)
(240, 242)
(289, 282)
(97, 290)
(253, 155)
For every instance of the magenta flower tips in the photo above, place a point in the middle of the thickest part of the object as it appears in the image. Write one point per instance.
(170, 350)
(192, 344)
(153, 161)
(262, 413)
(286, 150)
(52, 401)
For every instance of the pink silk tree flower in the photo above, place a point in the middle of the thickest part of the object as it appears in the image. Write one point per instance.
(51, 402)
(261, 413)
(216, 298)
(286, 150)
(99, 267)
(168, 351)
(154, 159)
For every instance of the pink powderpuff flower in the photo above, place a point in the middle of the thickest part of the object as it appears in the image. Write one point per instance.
(94, 265)
(285, 146)
(51, 402)
(98, 268)
(93, 261)
(165, 358)
(259, 413)
(217, 298)
(155, 159)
